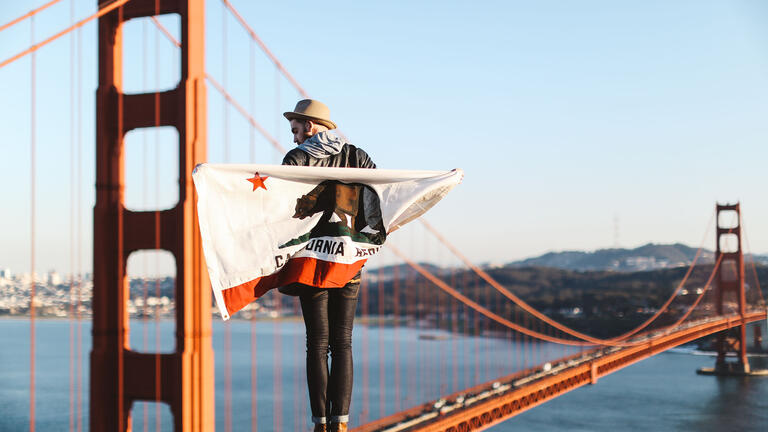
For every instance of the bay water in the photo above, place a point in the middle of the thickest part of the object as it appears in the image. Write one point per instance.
(395, 368)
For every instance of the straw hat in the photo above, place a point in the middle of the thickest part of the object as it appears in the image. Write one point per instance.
(310, 109)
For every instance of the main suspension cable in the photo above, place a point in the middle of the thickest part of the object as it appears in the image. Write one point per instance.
(264, 48)
(36, 46)
(701, 295)
(29, 14)
(244, 113)
(32, 173)
(525, 306)
(476, 306)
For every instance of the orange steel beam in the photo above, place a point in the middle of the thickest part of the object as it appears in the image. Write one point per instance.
(509, 396)
(229, 99)
(265, 49)
(31, 13)
(165, 32)
(119, 375)
(104, 8)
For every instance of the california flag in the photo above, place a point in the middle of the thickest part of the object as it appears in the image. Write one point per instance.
(267, 226)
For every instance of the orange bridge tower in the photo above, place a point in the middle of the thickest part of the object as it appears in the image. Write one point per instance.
(730, 295)
(120, 376)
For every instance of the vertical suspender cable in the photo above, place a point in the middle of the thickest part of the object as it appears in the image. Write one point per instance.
(545, 348)
(478, 334)
(228, 377)
(145, 187)
(534, 344)
(517, 343)
(440, 369)
(488, 327)
(252, 74)
(71, 221)
(421, 373)
(454, 332)
(366, 354)
(254, 415)
(252, 154)
(278, 407)
(510, 367)
(752, 260)
(410, 310)
(79, 234)
(278, 302)
(552, 332)
(145, 328)
(382, 376)
(539, 345)
(396, 326)
(224, 80)
(565, 348)
(252, 158)
(278, 336)
(277, 109)
(158, 293)
(467, 333)
(32, 234)
(525, 342)
(296, 382)
(482, 328)
(424, 369)
(227, 324)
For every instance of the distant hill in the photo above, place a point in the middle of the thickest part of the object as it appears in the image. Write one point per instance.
(647, 257)
(402, 271)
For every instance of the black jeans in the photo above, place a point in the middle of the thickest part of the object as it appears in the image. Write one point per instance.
(328, 318)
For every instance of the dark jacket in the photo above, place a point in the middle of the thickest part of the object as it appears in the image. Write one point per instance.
(349, 157)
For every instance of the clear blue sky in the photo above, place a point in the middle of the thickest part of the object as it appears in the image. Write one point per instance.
(565, 115)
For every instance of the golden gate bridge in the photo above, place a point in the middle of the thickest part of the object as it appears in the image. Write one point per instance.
(464, 300)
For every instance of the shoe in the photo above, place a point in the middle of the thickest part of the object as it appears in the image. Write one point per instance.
(338, 427)
(321, 427)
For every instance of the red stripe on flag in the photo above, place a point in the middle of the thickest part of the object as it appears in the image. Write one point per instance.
(307, 271)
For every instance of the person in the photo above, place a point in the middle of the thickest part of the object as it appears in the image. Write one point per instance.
(328, 313)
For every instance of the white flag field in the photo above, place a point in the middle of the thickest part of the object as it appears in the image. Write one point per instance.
(267, 226)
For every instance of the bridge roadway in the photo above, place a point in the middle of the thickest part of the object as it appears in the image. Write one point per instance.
(491, 403)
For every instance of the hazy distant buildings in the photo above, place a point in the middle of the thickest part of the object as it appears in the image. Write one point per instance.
(53, 278)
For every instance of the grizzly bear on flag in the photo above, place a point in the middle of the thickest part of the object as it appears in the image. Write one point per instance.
(349, 209)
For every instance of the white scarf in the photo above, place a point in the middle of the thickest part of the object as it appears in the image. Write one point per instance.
(323, 144)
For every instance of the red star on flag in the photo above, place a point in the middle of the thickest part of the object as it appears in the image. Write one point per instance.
(258, 182)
